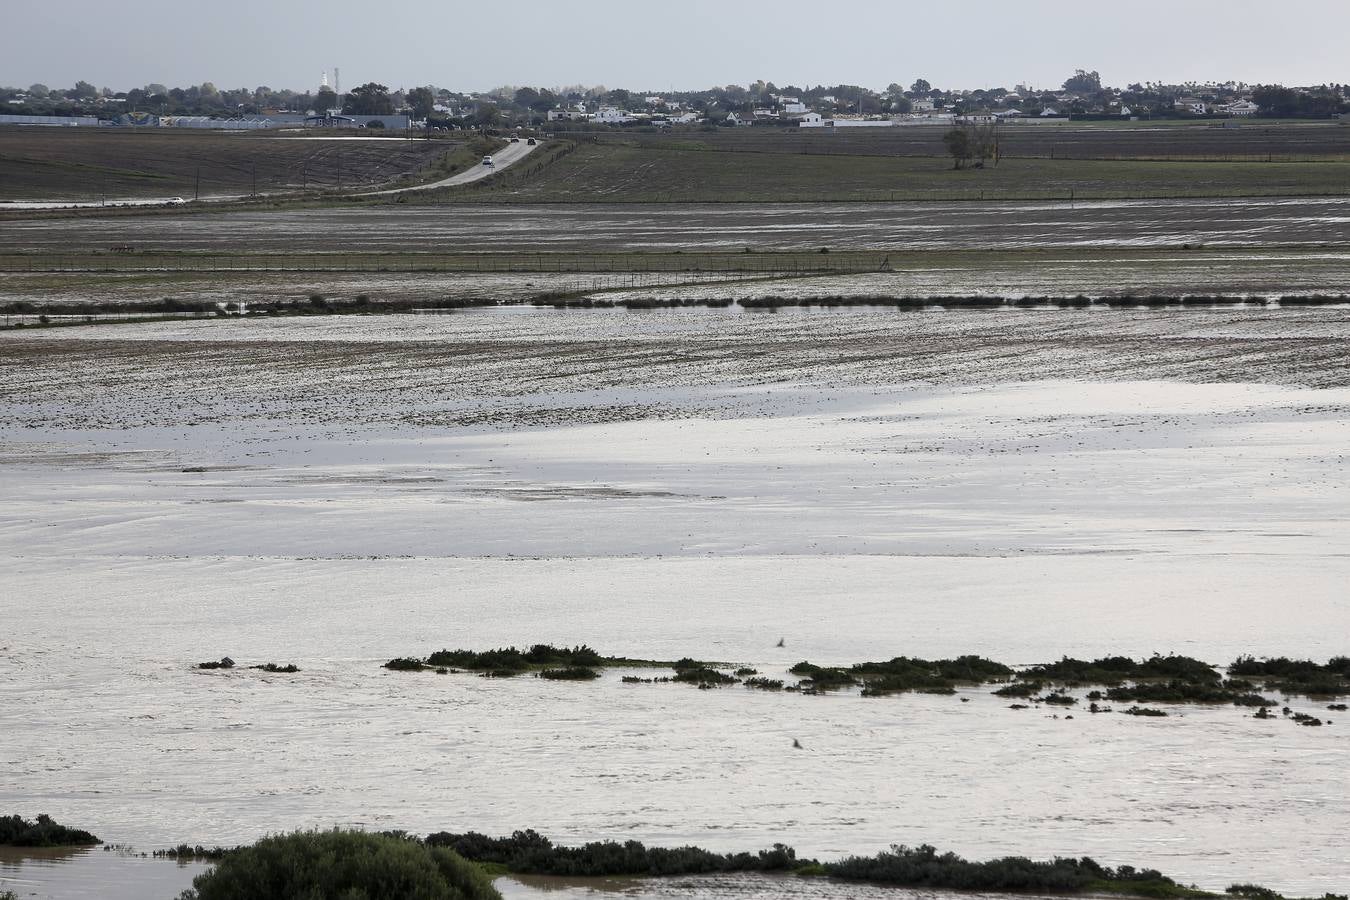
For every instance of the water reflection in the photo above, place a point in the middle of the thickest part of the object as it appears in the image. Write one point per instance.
(94, 873)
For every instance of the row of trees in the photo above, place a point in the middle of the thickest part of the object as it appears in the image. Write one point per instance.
(1083, 93)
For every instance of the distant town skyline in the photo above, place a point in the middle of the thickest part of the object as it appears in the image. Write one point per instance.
(691, 46)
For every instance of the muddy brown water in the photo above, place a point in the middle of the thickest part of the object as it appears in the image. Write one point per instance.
(336, 492)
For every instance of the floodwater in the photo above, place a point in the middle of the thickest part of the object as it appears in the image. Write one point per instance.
(334, 492)
(690, 227)
(1258, 274)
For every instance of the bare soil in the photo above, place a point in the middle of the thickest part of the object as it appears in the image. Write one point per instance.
(90, 163)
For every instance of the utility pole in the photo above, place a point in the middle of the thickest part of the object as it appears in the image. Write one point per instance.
(255, 179)
(197, 191)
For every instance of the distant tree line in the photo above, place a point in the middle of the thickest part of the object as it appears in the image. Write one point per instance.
(1082, 94)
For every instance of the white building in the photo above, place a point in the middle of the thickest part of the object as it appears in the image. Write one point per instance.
(921, 106)
(609, 115)
(792, 106)
(575, 113)
(862, 123)
(810, 120)
(740, 120)
(1241, 108)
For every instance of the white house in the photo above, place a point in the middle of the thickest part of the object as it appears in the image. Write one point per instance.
(1241, 108)
(793, 106)
(810, 120)
(1191, 105)
(1049, 112)
(609, 115)
(740, 120)
(921, 106)
(686, 119)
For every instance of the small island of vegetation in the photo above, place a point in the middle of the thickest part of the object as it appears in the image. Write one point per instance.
(342, 864)
(1159, 679)
(15, 831)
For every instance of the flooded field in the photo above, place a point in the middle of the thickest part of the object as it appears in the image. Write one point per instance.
(1256, 273)
(857, 484)
(690, 227)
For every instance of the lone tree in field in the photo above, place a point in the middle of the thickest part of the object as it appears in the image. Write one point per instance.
(960, 146)
(342, 865)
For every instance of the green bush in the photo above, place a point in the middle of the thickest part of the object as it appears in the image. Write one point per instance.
(702, 676)
(570, 673)
(17, 832)
(925, 867)
(528, 852)
(342, 865)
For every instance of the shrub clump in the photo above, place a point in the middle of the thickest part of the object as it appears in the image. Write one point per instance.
(1146, 712)
(570, 673)
(763, 684)
(405, 664)
(16, 831)
(1118, 669)
(703, 677)
(924, 867)
(511, 659)
(1297, 676)
(342, 865)
(823, 677)
(530, 853)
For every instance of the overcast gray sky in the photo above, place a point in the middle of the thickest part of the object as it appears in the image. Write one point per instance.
(480, 44)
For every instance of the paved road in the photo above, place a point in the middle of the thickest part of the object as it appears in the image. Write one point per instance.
(511, 154)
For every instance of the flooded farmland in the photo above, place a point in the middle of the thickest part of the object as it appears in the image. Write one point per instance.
(856, 484)
(693, 227)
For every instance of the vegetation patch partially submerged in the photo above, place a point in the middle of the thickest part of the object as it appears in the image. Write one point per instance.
(1297, 676)
(342, 864)
(580, 663)
(530, 853)
(903, 674)
(1159, 678)
(16, 831)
